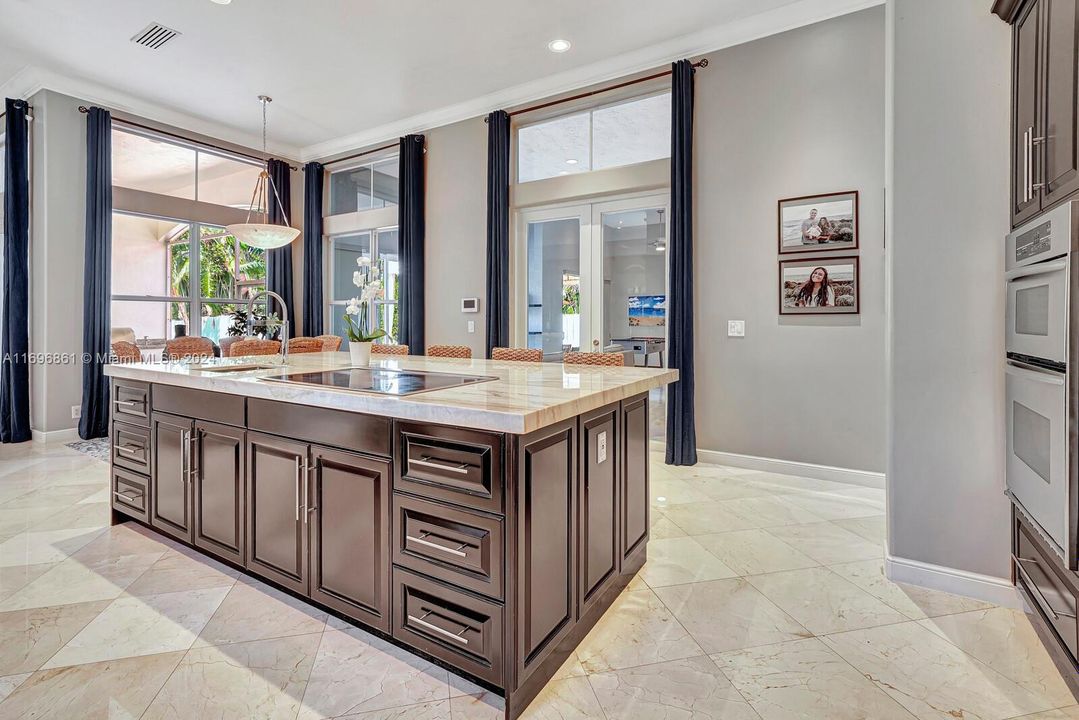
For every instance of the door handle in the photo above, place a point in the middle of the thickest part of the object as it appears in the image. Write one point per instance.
(1033, 373)
(1057, 614)
(305, 471)
(194, 443)
(427, 543)
(436, 629)
(1027, 193)
(426, 461)
(185, 456)
(298, 484)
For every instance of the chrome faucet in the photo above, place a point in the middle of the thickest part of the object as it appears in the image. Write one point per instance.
(284, 319)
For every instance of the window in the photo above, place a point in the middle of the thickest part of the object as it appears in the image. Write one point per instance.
(345, 250)
(624, 133)
(364, 187)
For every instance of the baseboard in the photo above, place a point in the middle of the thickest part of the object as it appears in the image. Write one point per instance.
(55, 436)
(996, 590)
(790, 467)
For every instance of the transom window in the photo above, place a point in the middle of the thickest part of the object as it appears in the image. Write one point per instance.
(364, 187)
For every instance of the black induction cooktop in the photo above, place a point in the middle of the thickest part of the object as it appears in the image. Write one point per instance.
(383, 381)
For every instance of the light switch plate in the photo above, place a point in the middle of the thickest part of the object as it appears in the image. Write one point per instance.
(601, 448)
(736, 328)
(472, 326)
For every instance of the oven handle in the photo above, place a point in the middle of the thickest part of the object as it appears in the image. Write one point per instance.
(1036, 269)
(1033, 372)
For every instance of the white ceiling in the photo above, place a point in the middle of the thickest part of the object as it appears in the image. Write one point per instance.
(345, 74)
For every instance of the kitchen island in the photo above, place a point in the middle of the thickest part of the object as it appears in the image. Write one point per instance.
(486, 525)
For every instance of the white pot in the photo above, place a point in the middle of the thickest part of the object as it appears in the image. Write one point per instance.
(360, 353)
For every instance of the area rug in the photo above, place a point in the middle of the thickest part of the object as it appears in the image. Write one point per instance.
(98, 448)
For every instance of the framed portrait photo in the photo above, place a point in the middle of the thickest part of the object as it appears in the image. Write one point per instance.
(818, 223)
(819, 286)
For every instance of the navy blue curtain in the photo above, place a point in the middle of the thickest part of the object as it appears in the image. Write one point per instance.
(15, 341)
(498, 230)
(279, 260)
(96, 271)
(312, 249)
(681, 424)
(410, 215)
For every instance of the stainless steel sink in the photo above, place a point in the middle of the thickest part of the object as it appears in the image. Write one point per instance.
(234, 368)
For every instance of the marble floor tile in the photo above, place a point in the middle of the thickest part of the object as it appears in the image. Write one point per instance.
(676, 561)
(832, 506)
(80, 515)
(705, 518)
(804, 679)
(662, 528)
(183, 570)
(438, 710)
(1067, 713)
(28, 548)
(1004, 640)
(74, 581)
(16, 577)
(874, 528)
(478, 707)
(770, 511)
(827, 543)
(356, 672)
(112, 690)
(637, 630)
(13, 522)
(751, 552)
(255, 611)
(9, 683)
(260, 680)
(51, 496)
(569, 699)
(132, 626)
(104, 495)
(571, 668)
(675, 492)
(780, 483)
(693, 687)
(931, 677)
(28, 638)
(725, 487)
(823, 602)
(729, 615)
(915, 602)
(126, 539)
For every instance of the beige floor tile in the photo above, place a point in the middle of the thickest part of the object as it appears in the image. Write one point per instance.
(726, 487)
(1004, 640)
(1068, 713)
(16, 577)
(804, 679)
(52, 496)
(131, 627)
(705, 518)
(823, 602)
(112, 690)
(80, 515)
(438, 710)
(256, 611)
(478, 707)
(29, 548)
(751, 552)
(126, 539)
(636, 583)
(783, 484)
(75, 580)
(183, 570)
(931, 677)
(638, 629)
(729, 615)
(662, 528)
(13, 522)
(569, 699)
(261, 680)
(770, 511)
(9, 683)
(676, 561)
(674, 492)
(874, 529)
(693, 687)
(571, 668)
(914, 602)
(356, 672)
(832, 506)
(28, 638)
(827, 543)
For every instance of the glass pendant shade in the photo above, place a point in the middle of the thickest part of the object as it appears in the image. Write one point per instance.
(263, 235)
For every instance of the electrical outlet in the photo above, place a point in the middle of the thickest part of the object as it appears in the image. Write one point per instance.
(601, 448)
(472, 326)
(76, 412)
(736, 328)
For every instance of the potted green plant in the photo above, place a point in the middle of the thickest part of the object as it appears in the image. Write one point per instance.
(357, 316)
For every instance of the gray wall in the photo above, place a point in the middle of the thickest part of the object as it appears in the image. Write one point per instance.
(950, 215)
(794, 114)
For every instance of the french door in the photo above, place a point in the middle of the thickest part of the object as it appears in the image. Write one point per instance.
(589, 275)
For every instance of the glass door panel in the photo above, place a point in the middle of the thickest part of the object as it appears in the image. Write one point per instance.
(634, 306)
(555, 283)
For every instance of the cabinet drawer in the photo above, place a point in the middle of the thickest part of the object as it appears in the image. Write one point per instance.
(131, 402)
(1040, 574)
(199, 404)
(129, 493)
(131, 447)
(461, 547)
(458, 466)
(351, 431)
(458, 628)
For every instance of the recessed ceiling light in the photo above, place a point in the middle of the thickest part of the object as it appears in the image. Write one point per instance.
(221, 2)
(571, 161)
(563, 172)
(558, 46)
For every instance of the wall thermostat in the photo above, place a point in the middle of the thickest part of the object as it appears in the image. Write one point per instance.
(470, 305)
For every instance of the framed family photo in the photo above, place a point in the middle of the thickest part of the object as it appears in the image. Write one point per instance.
(818, 223)
(820, 286)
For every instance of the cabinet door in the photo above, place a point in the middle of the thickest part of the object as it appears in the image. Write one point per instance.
(1026, 115)
(276, 543)
(218, 500)
(634, 494)
(170, 494)
(350, 534)
(599, 555)
(1059, 151)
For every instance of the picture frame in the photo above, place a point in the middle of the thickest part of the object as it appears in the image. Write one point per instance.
(838, 294)
(818, 223)
(647, 310)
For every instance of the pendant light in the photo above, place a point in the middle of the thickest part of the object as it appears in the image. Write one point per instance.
(264, 235)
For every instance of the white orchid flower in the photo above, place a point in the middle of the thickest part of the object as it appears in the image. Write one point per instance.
(353, 307)
(363, 261)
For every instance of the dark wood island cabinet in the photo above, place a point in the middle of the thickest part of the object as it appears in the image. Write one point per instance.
(492, 553)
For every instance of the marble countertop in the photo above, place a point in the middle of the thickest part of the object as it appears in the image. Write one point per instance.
(525, 397)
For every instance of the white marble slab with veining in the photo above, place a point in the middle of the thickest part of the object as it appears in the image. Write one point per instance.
(523, 398)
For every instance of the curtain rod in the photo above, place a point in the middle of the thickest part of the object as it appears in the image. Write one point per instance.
(83, 109)
(372, 151)
(702, 63)
(29, 111)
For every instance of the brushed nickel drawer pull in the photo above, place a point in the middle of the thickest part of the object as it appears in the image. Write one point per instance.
(436, 629)
(427, 543)
(131, 403)
(130, 449)
(1057, 614)
(133, 497)
(426, 461)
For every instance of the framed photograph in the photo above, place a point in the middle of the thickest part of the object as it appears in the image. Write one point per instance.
(819, 286)
(817, 223)
(647, 310)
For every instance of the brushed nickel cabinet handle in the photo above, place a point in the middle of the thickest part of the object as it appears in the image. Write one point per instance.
(436, 629)
(305, 471)
(1057, 614)
(133, 497)
(130, 449)
(426, 461)
(185, 456)
(436, 546)
(298, 483)
(131, 403)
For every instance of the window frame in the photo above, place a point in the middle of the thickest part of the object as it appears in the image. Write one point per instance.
(368, 162)
(328, 282)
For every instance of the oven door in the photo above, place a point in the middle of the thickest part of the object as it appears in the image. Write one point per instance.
(1037, 316)
(1037, 427)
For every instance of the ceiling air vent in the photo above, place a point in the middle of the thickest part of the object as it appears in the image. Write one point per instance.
(154, 36)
